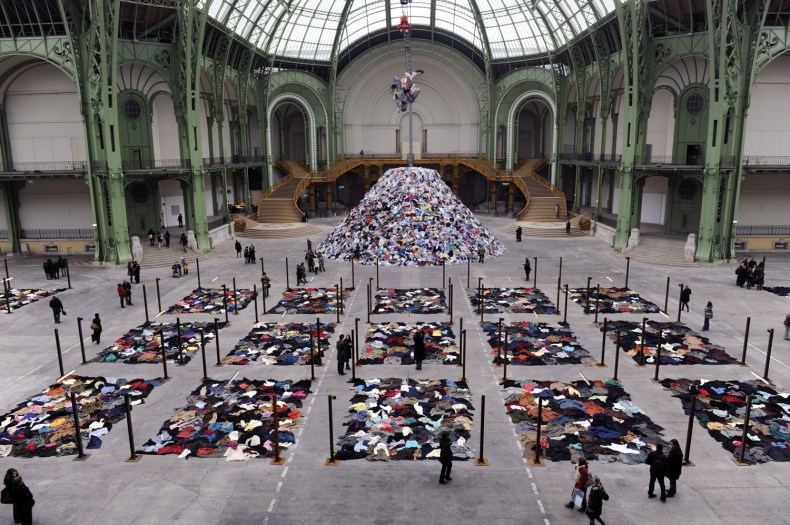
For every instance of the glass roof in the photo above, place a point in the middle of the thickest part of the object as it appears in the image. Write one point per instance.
(310, 29)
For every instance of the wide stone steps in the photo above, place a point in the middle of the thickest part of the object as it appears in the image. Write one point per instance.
(281, 231)
(542, 201)
(660, 250)
(154, 257)
(537, 229)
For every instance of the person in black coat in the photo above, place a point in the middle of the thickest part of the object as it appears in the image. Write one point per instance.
(419, 348)
(685, 297)
(595, 501)
(96, 328)
(21, 497)
(341, 353)
(183, 241)
(238, 249)
(657, 463)
(167, 239)
(445, 458)
(527, 267)
(674, 466)
(741, 272)
(519, 231)
(57, 308)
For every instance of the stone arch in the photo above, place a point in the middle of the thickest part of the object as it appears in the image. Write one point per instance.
(510, 119)
(300, 101)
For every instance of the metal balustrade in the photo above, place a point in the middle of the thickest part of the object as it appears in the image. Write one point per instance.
(54, 166)
(80, 233)
(744, 230)
(154, 164)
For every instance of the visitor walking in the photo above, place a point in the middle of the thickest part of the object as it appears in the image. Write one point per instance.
(580, 482)
(519, 231)
(20, 497)
(180, 221)
(557, 211)
(674, 466)
(246, 254)
(568, 227)
(266, 283)
(136, 271)
(685, 297)
(57, 308)
(63, 266)
(657, 463)
(301, 274)
(151, 234)
(238, 249)
(419, 348)
(708, 316)
(184, 241)
(481, 255)
(445, 458)
(159, 240)
(527, 267)
(341, 353)
(184, 266)
(127, 288)
(595, 502)
(349, 351)
(97, 329)
(167, 239)
(321, 263)
(121, 293)
(787, 327)
(741, 273)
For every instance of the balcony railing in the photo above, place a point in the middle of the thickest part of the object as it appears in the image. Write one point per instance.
(669, 160)
(591, 157)
(83, 233)
(150, 164)
(767, 160)
(50, 167)
(234, 159)
(767, 231)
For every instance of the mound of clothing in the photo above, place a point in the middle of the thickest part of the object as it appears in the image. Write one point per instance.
(142, 344)
(403, 419)
(613, 301)
(721, 409)
(44, 424)
(511, 300)
(596, 420)
(410, 300)
(17, 298)
(393, 344)
(280, 344)
(212, 301)
(309, 301)
(535, 344)
(781, 291)
(233, 419)
(680, 345)
(410, 218)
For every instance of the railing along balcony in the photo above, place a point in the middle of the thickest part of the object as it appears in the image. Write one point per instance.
(669, 160)
(767, 231)
(155, 164)
(765, 160)
(50, 167)
(73, 233)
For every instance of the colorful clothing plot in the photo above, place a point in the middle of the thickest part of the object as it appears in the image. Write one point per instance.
(403, 419)
(309, 301)
(596, 420)
(721, 409)
(44, 424)
(512, 300)
(212, 301)
(535, 344)
(17, 298)
(393, 344)
(410, 300)
(613, 301)
(142, 344)
(233, 419)
(410, 217)
(280, 344)
(680, 345)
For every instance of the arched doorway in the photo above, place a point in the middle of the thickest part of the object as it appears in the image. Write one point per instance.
(534, 129)
(685, 205)
(289, 133)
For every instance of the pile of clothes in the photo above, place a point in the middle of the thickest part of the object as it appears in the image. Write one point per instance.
(404, 419)
(410, 218)
(410, 300)
(721, 409)
(44, 424)
(280, 344)
(613, 301)
(535, 344)
(17, 298)
(680, 345)
(212, 301)
(393, 344)
(593, 419)
(309, 301)
(233, 419)
(781, 291)
(142, 344)
(511, 300)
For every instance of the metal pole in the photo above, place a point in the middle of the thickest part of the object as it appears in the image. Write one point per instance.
(164, 352)
(318, 337)
(535, 274)
(565, 315)
(263, 271)
(745, 340)
(7, 276)
(264, 293)
(82, 343)
(133, 457)
(692, 412)
(203, 354)
(276, 460)
(499, 343)
(353, 277)
(225, 302)
(504, 354)
(337, 302)
(642, 344)
(468, 272)
(216, 338)
(444, 272)
(482, 459)
(158, 296)
(353, 359)
(145, 304)
(7, 287)
(597, 300)
(658, 355)
(680, 301)
(666, 299)
(617, 356)
(255, 299)
(287, 276)
(331, 459)
(60, 353)
(77, 435)
(482, 295)
(463, 356)
(235, 298)
(603, 341)
(745, 428)
(627, 270)
(356, 340)
(342, 299)
(768, 353)
(559, 280)
(178, 342)
(450, 288)
(68, 273)
(587, 306)
(312, 358)
(369, 306)
(537, 435)
(197, 263)
(378, 285)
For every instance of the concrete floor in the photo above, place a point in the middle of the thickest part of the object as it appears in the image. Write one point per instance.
(304, 490)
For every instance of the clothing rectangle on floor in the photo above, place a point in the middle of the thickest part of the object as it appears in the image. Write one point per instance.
(17, 298)
(613, 301)
(512, 300)
(536, 344)
(721, 409)
(410, 300)
(393, 344)
(403, 419)
(596, 420)
(212, 301)
(781, 291)
(680, 345)
(234, 419)
(142, 344)
(309, 301)
(280, 344)
(44, 424)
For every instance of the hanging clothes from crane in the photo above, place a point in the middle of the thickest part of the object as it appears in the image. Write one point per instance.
(404, 90)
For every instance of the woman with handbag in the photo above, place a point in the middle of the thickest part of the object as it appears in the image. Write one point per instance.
(708, 316)
(20, 497)
(580, 484)
(96, 327)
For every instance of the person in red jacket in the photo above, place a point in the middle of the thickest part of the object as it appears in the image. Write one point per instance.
(581, 482)
(121, 293)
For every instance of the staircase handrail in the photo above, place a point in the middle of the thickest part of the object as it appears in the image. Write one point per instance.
(519, 182)
(279, 184)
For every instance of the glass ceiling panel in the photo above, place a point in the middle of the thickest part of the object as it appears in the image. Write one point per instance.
(306, 29)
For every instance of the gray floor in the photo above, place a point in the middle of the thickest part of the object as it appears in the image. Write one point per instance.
(304, 490)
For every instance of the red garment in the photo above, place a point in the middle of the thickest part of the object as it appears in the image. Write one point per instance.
(121, 291)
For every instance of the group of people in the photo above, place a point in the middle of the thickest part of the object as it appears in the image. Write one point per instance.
(315, 262)
(180, 268)
(159, 238)
(249, 252)
(751, 273)
(55, 269)
(133, 271)
(662, 467)
(124, 291)
(345, 349)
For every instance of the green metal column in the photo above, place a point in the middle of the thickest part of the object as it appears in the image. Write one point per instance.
(13, 224)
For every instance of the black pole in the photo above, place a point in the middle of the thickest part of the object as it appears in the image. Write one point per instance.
(603, 341)
(77, 435)
(537, 435)
(164, 353)
(145, 304)
(263, 271)
(587, 306)
(352, 354)
(692, 413)
(128, 407)
(7, 276)
(642, 344)
(216, 338)
(535, 274)
(680, 301)
(597, 300)
(225, 302)
(768, 353)
(68, 273)
(255, 299)
(235, 298)
(468, 273)
(7, 287)
(353, 276)
(444, 273)
(82, 343)
(559, 280)
(342, 299)
(666, 298)
(203, 354)
(627, 270)
(450, 288)
(463, 356)
(276, 460)
(369, 306)
(158, 296)
(60, 353)
(499, 343)
(318, 337)
(356, 340)
(331, 459)
(482, 459)
(617, 356)
(504, 355)
(565, 315)
(658, 355)
(287, 276)
(337, 302)
(745, 340)
(745, 428)
(264, 293)
(312, 358)
(378, 284)
(178, 342)
(197, 263)
(482, 295)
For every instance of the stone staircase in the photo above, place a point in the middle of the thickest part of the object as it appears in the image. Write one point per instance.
(662, 250)
(542, 201)
(278, 207)
(154, 257)
(544, 229)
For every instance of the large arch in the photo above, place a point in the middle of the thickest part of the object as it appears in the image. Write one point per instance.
(311, 129)
(511, 115)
